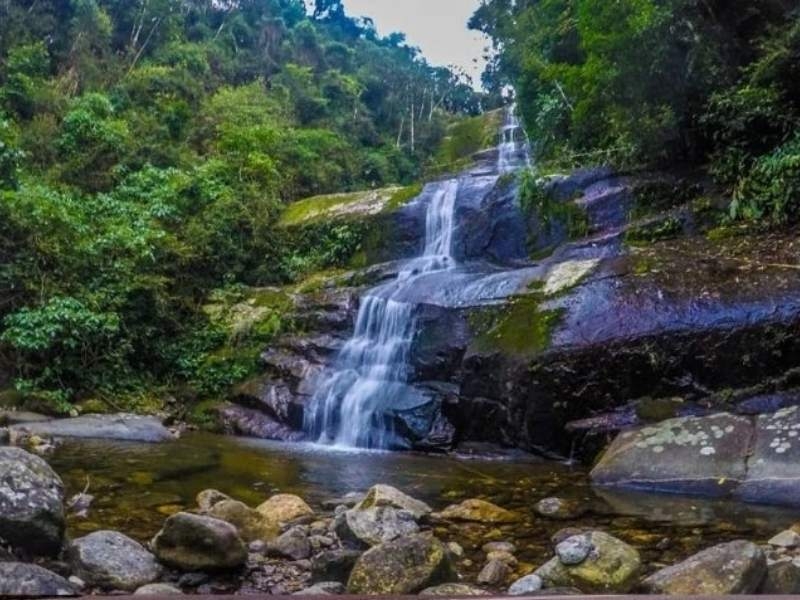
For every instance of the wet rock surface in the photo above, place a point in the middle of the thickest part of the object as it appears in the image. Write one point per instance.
(112, 561)
(196, 543)
(125, 427)
(31, 503)
(19, 579)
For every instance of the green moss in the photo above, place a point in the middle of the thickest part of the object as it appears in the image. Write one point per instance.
(519, 327)
(403, 196)
(658, 196)
(316, 207)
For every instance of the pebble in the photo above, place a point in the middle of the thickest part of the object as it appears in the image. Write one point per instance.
(786, 539)
(494, 573)
(530, 584)
(499, 547)
(574, 550)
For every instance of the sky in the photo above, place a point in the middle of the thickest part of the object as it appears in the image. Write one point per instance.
(437, 27)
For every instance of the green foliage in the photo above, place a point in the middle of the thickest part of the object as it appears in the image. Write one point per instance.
(549, 211)
(771, 189)
(10, 155)
(660, 229)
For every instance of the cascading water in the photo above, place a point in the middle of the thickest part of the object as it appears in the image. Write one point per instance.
(371, 372)
(356, 403)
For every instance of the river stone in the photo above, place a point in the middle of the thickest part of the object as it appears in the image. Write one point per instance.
(124, 427)
(737, 567)
(611, 567)
(251, 524)
(158, 589)
(773, 476)
(110, 560)
(31, 503)
(334, 565)
(285, 508)
(20, 579)
(199, 543)
(385, 495)
(323, 588)
(400, 567)
(477, 511)
(499, 547)
(454, 590)
(560, 509)
(293, 544)
(574, 550)
(786, 539)
(783, 578)
(373, 526)
(525, 586)
(502, 556)
(695, 455)
(208, 498)
(494, 573)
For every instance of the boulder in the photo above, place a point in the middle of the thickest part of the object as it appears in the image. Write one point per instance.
(477, 511)
(454, 590)
(293, 544)
(404, 566)
(526, 586)
(737, 567)
(285, 508)
(773, 476)
(21, 579)
(693, 455)
(124, 427)
(785, 539)
(190, 542)
(250, 422)
(334, 565)
(31, 503)
(251, 524)
(158, 589)
(361, 528)
(112, 561)
(783, 578)
(612, 566)
(385, 495)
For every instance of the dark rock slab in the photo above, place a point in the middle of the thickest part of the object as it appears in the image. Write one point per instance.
(248, 422)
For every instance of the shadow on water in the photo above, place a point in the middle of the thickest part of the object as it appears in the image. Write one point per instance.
(137, 486)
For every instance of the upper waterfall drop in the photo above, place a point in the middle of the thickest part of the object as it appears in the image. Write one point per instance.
(356, 402)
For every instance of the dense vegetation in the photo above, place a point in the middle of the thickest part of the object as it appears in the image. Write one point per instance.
(656, 82)
(147, 150)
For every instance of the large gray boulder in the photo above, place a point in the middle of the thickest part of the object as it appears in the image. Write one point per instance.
(608, 565)
(31, 503)
(773, 474)
(199, 543)
(362, 528)
(734, 568)
(112, 561)
(694, 455)
(404, 566)
(386, 495)
(124, 427)
(21, 579)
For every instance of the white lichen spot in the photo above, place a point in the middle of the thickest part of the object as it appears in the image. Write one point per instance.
(658, 449)
(708, 451)
(568, 274)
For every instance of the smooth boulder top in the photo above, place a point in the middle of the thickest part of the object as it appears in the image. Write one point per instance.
(31, 503)
(110, 560)
(191, 542)
(754, 459)
(123, 427)
(477, 511)
(386, 495)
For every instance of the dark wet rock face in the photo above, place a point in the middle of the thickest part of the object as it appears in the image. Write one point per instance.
(239, 420)
(31, 503)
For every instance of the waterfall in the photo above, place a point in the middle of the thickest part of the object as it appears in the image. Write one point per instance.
(512, 150)
(370, 376)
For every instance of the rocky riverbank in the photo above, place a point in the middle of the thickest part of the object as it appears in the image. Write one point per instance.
(379, 542)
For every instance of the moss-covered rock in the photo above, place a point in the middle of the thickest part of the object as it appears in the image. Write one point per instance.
(285, 508)
(251, 524)
(404, 566)
(478, 511)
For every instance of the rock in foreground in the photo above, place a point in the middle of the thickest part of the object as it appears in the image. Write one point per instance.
(19, 579)
(385, 495)
(734, 568)
(609, 565)
(404, 566)
(112, 561)
(477, 511)
(198, 543)
(285, 508)
(31, 503)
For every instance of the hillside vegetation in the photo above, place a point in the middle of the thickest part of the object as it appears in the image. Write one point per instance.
(149, 150)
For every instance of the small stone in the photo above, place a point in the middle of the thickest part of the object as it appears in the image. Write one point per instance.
(208, 498)
(257, 547)
(528, 585)
(560, 509)
(499, 547)
(574, 550)
(293, 545)
(502, 556)
(455, 549)
(478, 511)
(158, 589)
(385, 495)
(323, 588)
(454, 590)
(285, 508)
(786, 539)
(494, 573)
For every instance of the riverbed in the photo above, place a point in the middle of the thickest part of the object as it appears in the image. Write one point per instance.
(136, 486)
